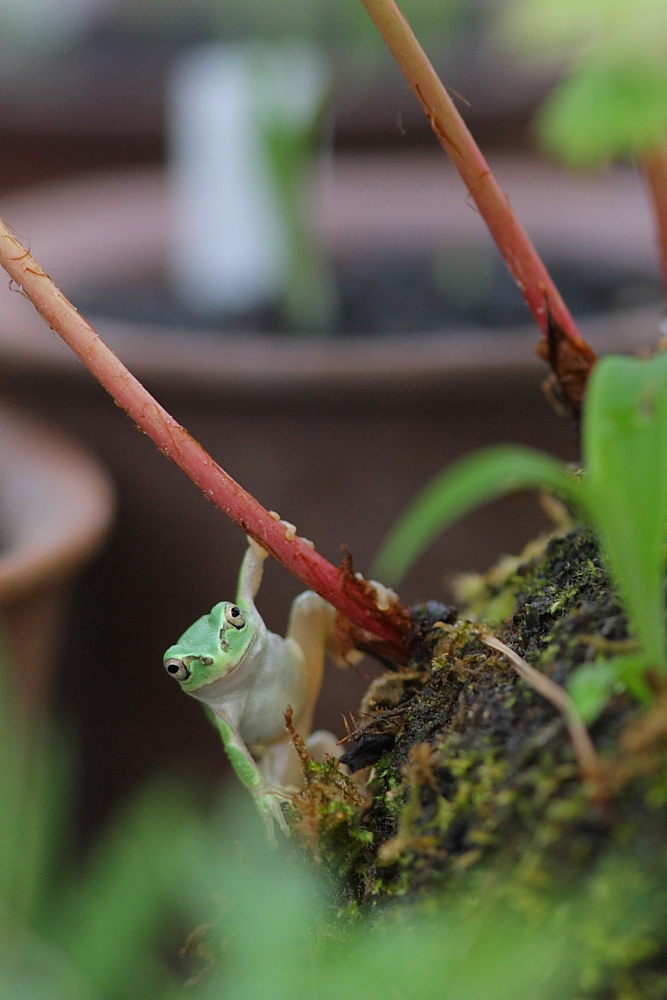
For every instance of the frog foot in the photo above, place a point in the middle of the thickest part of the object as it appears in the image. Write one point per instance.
(268, 802)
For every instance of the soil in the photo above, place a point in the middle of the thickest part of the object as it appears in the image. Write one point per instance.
(400, 293)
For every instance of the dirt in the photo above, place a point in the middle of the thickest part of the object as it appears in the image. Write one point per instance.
(399, 292)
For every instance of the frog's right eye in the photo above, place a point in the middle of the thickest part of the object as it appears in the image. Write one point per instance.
(234, 616)
(178, 669)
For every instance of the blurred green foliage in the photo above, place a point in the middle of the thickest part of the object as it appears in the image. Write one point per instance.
(623, 494)
(72, 929)
(612, 98)
(109, 926)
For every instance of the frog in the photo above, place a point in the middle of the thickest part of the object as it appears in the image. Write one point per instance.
(247, 677)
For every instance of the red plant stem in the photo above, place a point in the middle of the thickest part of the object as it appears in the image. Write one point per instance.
(523, 261)
(654, 165)
(351, 596)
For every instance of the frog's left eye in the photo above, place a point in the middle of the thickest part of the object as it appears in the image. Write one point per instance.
(234, 616)
(178, 669)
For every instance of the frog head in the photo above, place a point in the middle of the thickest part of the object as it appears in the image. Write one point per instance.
(212, 647)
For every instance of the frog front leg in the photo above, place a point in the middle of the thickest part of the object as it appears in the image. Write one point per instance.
(248, 771)
(310, 626)
(309, 632)
(250, 574)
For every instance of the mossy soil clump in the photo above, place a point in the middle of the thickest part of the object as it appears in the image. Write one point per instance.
(477, 789)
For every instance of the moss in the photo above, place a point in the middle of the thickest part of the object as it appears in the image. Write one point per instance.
(481, 794)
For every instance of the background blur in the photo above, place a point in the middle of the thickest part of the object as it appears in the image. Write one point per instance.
(335, 433)
(84, 81)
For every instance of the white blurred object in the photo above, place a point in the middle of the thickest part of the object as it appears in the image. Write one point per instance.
(231, 236)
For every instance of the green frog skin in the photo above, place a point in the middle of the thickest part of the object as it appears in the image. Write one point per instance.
(247, 676)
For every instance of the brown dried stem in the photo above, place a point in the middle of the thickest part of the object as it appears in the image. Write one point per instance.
(353, 597)
(589, 762)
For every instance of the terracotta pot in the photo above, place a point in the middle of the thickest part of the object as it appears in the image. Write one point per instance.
(56, 504)
(336, 436)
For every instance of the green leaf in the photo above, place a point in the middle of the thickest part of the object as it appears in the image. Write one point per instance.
(575, 29)
(625, 450)
(593, 685)
(144, 867)
(631, 671)
(591, 688)
(605, 110)
(472, 481)
(554, 27)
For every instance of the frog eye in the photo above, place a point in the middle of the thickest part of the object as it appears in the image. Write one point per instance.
(234, 616)
(177, 669)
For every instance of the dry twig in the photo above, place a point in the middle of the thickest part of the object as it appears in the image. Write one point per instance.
(587, 757)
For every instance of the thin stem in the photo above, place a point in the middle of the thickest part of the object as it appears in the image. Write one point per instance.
(352, 596)
(589, 762)
(654, 165)
(522, 259)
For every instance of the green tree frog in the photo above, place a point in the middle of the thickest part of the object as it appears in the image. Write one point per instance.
(247, 676)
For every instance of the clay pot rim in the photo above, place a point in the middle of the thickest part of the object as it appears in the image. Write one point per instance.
(56, 505)
(427, 363)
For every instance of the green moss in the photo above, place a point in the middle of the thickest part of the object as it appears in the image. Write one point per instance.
(483, 780)
(481, 800)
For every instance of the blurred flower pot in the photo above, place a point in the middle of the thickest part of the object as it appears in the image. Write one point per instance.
(337, 435)
(56, 504)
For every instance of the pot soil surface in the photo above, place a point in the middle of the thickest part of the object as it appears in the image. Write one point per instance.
(400, 292)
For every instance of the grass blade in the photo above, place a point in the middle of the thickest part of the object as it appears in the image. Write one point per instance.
(472, 481)
(625, 448)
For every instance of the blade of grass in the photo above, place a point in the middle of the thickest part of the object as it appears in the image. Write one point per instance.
(474, 480)
(352, 596)
(520, 255)
(625, 450)
(143, 869)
